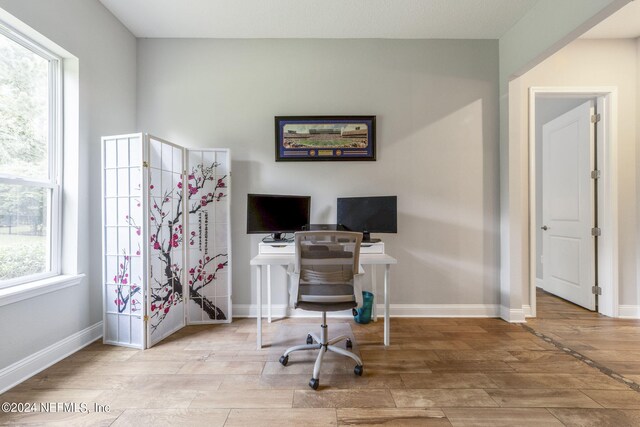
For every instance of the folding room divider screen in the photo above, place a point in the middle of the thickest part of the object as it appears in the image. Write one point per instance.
(166, 238)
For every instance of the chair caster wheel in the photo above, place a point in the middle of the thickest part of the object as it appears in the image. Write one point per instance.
(358, 370)
(309, 339)
(284, 360)
(314, 383)
(349, 344)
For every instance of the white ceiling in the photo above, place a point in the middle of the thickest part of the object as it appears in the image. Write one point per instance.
(624, 24)
(411, 19)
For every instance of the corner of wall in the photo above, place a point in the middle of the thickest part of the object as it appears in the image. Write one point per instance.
(513, 315)
(546, 28)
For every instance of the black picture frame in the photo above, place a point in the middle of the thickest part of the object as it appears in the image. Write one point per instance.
(325, 138)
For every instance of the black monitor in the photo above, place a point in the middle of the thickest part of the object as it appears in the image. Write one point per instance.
(275, 215)
(368, 215)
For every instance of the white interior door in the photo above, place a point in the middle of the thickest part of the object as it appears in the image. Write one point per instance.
(568, 206)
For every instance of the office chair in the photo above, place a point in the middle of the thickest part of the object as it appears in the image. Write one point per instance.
(326, 277)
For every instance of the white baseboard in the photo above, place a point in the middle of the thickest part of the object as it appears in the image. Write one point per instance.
(526, 309)
(629, 311)
(395, 310)
(513, 315)
(24, 369)
(442, 310)
(539, 283)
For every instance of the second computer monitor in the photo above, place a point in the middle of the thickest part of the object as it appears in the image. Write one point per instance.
(378, 214)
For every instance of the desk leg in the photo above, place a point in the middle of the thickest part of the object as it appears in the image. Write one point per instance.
(374, 289)
(386, 304)
(269, 293)
(259, 306)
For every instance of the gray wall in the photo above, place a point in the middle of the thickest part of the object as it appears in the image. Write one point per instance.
(437, 110)
(547, 109)
(106, 51)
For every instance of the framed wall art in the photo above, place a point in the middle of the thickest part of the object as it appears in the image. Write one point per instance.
(317, 138)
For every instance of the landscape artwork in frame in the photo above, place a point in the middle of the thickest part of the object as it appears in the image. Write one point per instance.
(306, 138)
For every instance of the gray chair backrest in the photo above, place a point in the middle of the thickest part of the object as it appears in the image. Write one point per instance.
(330, 259)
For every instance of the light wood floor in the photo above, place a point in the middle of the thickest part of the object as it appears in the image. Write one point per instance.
(442, 372)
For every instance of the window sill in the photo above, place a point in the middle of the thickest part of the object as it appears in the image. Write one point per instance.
(39, 287)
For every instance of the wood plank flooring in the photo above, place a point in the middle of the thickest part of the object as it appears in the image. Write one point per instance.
(440, 372)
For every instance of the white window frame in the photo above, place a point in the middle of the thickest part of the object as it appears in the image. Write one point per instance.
(55, 142)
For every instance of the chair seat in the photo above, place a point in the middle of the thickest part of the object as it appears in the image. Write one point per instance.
(339, 297)
(326, 306)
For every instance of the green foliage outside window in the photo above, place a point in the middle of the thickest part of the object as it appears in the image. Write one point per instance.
(24, 154)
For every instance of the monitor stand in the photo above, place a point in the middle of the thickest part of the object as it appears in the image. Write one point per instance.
(276, 238)
(366, 238)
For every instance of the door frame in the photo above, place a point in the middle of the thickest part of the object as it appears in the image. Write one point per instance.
(607, 137)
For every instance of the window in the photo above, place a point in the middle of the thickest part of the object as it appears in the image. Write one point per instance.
(30, 153)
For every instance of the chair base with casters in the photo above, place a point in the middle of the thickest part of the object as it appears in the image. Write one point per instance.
(326, 277)
(324, 344)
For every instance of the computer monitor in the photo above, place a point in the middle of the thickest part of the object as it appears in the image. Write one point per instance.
(277, 214)
(368, 215)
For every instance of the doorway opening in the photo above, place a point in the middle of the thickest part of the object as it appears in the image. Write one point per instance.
(580, 264)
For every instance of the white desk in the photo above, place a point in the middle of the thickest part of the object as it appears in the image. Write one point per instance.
(285, 259)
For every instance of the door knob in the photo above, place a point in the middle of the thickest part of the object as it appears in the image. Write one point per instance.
(544, 228)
